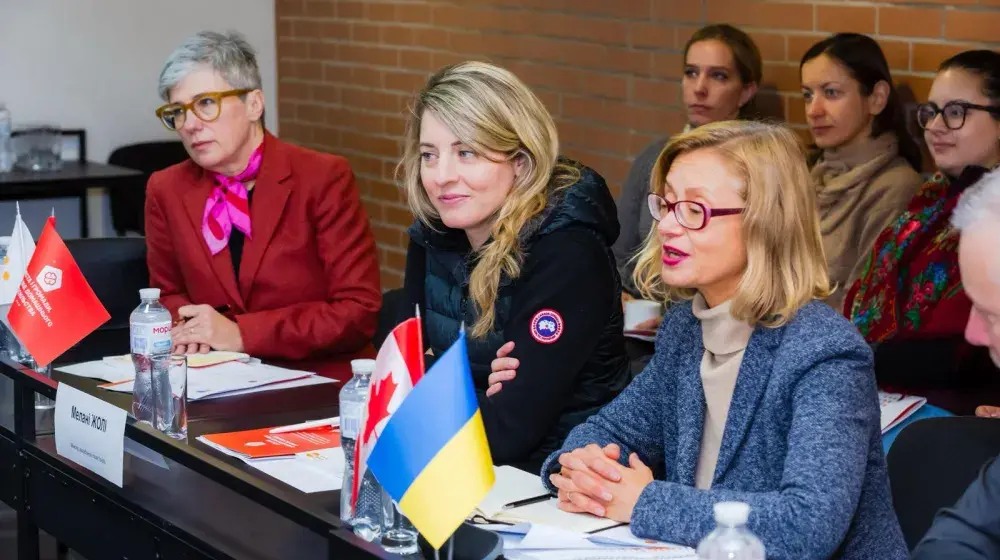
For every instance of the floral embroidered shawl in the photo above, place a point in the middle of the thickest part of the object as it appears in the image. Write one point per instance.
(912, 272)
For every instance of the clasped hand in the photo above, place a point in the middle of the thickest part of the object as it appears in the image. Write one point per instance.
(591, 480)
(203, 329)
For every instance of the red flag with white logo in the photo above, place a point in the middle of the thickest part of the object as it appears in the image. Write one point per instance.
(54, 307)
(398, 366)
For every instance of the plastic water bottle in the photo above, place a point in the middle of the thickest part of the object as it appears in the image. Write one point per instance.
(149, 330)
(6, 144)
(365, 518)
(731, 540)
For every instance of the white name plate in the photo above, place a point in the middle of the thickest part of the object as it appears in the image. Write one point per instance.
(90, 432)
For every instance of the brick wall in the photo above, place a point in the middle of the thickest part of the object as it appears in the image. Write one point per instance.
(608, 70)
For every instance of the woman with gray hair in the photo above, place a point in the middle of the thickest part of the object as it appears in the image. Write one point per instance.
(256, 245)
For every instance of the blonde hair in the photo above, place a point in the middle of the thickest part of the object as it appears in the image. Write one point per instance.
(490, 110)
(786, 265)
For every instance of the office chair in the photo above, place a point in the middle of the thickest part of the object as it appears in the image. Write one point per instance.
(127, 202)
(931, 464)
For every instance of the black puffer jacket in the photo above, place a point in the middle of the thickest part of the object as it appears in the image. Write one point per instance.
(564, 314)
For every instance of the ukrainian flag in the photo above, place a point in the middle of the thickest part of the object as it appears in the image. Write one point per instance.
(433, 458)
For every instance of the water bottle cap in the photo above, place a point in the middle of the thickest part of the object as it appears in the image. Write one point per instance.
(362, 366)
(731, 513)
(149, 293)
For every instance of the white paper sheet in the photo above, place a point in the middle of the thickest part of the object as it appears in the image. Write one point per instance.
(98, 370)
(668, 552)
(315, 471)
(511, 485)
(897, 407)
(642, 337)
(303, 382)
(220, 380)
(211, 359)
(548, 513)
(541, 541)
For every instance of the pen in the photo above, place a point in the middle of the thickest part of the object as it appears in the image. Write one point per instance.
(527, 502)
(327, 422)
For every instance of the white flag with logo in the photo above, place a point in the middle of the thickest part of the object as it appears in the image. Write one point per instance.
(19, 252)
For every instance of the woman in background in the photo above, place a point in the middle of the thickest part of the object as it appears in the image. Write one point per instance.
(722, 71)
(515, 243)
(757, 392)
(909, 300)
(865, 166)
(257, 245)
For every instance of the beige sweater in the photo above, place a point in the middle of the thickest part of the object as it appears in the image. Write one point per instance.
(725, 340)
(860, 191)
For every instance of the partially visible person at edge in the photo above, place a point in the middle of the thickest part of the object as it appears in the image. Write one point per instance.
(909, 302)
(256, 245)
(864, 163)
(971, 529)
(722, 71)
(757, 392)
(516, 243)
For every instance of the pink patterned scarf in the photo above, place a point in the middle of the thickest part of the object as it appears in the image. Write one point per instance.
(228, 205)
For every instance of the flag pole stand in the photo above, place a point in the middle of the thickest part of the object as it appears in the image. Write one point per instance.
(451, 549)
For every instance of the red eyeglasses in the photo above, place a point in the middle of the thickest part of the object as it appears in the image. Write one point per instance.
(690, 215)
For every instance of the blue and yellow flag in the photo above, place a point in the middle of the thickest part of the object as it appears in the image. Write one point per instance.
(432, 456)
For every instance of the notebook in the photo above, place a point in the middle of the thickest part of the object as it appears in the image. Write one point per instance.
(514, 485)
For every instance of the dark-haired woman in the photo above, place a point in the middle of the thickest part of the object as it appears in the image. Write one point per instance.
(909, 300)
(865, 165)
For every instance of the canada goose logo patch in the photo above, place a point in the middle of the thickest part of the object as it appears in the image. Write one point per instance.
(546, 326)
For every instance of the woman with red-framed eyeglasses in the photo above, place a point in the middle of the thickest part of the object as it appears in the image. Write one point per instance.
(727, 408)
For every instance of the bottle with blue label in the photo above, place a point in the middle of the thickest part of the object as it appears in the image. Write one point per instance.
(149, 331)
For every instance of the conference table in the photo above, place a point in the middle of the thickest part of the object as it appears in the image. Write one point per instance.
(205, 504)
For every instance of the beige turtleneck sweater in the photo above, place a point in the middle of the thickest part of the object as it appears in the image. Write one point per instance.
(861, 190)
(725, 339)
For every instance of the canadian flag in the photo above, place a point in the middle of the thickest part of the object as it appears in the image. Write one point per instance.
(399, 365)
(54, 307)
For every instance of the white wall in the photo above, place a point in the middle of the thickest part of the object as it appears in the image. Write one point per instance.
(93, 64)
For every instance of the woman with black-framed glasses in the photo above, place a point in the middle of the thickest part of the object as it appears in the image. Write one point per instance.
(256, 245)
(953, 113)
(909, 300)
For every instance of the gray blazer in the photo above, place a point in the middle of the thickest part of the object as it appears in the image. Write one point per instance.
(633, 213)
(802, 443)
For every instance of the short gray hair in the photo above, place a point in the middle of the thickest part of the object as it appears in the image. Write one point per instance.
(227, 53)
(979, 204)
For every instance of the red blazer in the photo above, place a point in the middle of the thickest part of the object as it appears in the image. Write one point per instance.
(308, 290)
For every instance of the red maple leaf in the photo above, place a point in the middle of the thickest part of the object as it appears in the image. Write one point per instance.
(378, 405)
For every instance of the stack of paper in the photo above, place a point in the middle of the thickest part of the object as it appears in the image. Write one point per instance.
(227, 378)
(527, 541)
(213, 358)
(897, 407)
(308, 460)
